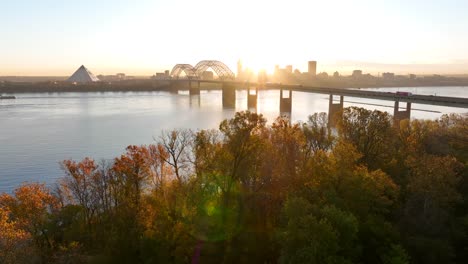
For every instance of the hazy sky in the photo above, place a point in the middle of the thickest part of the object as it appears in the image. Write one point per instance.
(54, 37)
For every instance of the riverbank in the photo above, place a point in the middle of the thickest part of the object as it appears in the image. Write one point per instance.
(54, 87)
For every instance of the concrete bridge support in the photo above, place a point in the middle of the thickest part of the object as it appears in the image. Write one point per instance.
(180, 85)
(285, 102)
(401, 115)
(252, 98)
(334, 110)
(195, 101)
(194, 87)
(229, 96)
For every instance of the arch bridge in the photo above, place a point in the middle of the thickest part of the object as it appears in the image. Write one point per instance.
(221, 69)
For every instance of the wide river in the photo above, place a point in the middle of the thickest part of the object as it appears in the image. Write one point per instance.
(37, 131)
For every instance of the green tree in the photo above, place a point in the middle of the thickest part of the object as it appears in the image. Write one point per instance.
(326, 236)
(372, 133)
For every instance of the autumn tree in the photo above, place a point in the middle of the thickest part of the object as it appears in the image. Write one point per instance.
(367, 192)
(30, 210)
(130, 178)
(15, 243)
(243, 139)
(431, 196)
(177, 145)
(318, 133)
(317, 235)
(372, 134)
(289, 148)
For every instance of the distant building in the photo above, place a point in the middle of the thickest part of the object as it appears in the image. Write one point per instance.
(336, 74)
(322, 75)
(262, 77)
(239, 68)
(113, 78)
(412, 76)
(207, 75)
(120, 76)
(289, 68)
(160, 76)
(312, 68)
(277, 69)
(82, 75)
(388, 75)
(357, 73)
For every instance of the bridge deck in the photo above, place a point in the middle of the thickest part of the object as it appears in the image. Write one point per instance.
(415, 98)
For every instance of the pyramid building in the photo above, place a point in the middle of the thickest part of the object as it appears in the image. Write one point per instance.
(83, 75)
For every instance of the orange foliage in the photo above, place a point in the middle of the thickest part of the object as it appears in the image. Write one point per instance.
(13, 240)
(30, 205)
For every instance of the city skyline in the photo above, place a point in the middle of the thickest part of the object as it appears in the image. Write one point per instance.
(53, 38)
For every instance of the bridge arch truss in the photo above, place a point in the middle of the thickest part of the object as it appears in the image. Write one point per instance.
(188, 69)
(221, 69)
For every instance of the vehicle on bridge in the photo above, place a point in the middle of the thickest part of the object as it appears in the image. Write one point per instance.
(403, 93)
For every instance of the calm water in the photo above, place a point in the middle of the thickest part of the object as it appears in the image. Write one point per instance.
(37, 131)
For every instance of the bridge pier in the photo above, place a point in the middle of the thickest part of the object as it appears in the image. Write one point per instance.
(229, 96)
(334, 110)
(252, 98)
(175, 87)
(195, 101)
(401, 115)
(180, 85)
(194, 90)
(285, 102)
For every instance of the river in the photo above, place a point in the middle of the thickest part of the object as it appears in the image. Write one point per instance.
(39, 130)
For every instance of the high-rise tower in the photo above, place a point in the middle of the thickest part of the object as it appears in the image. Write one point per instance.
(312, 69)
(239, 68)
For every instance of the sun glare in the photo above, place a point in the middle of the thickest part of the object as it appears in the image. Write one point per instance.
(257, 65)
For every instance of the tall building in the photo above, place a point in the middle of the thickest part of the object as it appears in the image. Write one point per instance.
(289, 68)
(277, 68)
(312, 69)
(239, 68)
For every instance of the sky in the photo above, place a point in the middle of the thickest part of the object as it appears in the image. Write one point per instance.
(141, 37)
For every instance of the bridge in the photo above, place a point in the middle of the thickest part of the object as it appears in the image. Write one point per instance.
(223, 71)
(229, 85)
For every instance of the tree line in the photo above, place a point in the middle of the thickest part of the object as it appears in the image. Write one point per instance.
(368, 191)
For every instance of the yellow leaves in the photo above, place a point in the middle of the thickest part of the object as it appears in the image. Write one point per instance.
(30, 204)
(434, 178)
(9, 229)
(346, 154)
(22, 216)
(244, 123)
(13, 239)
(336, 178)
